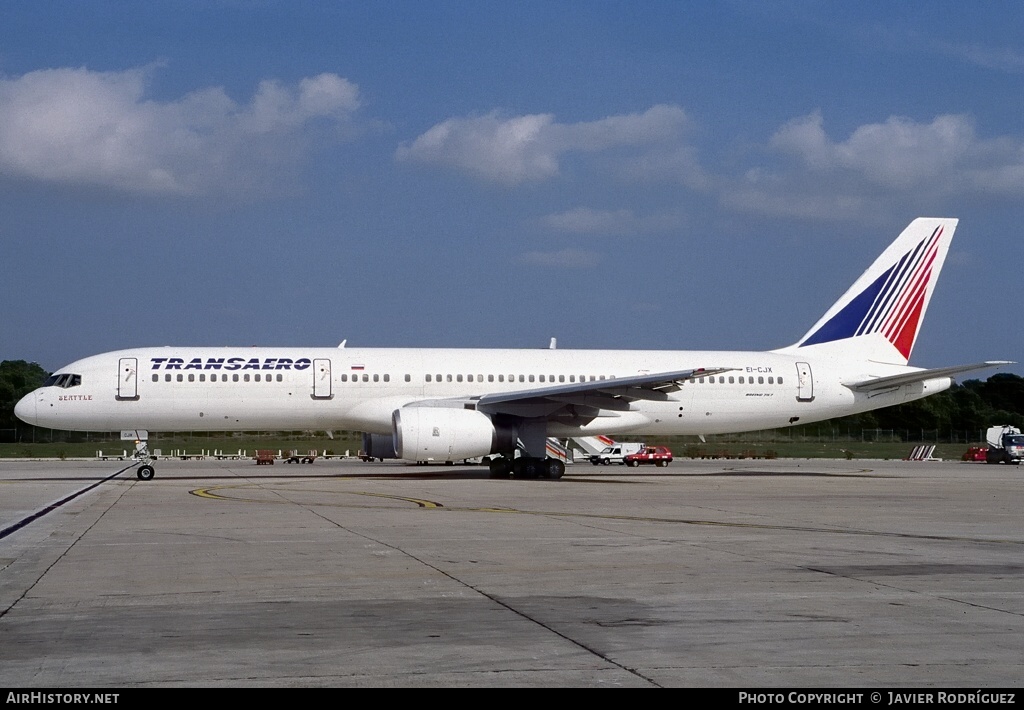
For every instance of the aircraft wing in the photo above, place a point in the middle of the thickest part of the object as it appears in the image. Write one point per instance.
(879, 383)
(597, 398)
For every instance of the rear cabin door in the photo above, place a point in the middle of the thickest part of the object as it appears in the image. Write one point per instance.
(804, 382)
(128, 378)
(322, 378)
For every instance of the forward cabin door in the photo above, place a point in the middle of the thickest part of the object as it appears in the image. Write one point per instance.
(128, 378)
(322, 378)
(804, 382)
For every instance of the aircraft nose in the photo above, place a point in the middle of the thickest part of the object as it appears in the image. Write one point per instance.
(25, 409)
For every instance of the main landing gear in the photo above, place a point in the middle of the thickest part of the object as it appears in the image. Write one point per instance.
(527, 467)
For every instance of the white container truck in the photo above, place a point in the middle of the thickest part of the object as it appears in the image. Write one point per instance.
(1005, 445)
(615, 453)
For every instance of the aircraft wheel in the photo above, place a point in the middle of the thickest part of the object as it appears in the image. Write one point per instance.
(145, 473)
(555, 468)
(498, 468)
(528, 467)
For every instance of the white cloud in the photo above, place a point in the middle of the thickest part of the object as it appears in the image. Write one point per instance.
(524, 148)
(98, 128)
(563, 259)
(899, 153)
(897, 164)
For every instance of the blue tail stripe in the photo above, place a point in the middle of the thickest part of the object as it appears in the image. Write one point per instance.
(846, 322)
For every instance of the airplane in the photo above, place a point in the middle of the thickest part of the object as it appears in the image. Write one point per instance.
(454, 404)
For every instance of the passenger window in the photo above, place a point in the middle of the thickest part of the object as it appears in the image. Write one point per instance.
(531, 378)
(180, 378)
(234, 378)
(490, 378)
(760, 380)
(245, 377)
(156, 378)
(780, 380)
(731, 381)
(771, 380)
(376, 378)
(257, 377)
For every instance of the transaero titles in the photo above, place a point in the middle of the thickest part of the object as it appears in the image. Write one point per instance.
(230, 363)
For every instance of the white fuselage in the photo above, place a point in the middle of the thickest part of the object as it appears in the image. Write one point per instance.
(261, 388)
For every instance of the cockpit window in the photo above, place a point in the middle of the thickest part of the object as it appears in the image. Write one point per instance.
(64, 380)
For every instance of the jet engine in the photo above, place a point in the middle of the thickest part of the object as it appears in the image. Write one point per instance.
(447, 434)
(379, 446)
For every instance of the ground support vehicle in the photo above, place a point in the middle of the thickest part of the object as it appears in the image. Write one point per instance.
(1005, 445)
(657, 455)
(615, 453)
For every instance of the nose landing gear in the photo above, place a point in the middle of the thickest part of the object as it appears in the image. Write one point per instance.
(145, 471)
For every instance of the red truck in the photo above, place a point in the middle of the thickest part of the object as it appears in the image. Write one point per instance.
(658, 455)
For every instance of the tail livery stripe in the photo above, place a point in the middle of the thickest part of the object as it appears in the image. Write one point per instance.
(891, 305)
(891, 290)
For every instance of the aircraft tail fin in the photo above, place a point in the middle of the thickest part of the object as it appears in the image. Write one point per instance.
(879, 317)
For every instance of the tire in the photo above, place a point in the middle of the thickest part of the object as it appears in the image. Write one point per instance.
(145, 473)
(605, 462)
(498, 468)
(555, 468)
(634, 463)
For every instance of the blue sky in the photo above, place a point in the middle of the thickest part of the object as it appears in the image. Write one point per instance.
(664, 175)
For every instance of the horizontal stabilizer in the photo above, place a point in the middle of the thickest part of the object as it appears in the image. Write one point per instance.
(907, 378)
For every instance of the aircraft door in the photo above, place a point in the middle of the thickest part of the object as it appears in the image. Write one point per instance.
(128, 378)
(322, 379)
(804, 383)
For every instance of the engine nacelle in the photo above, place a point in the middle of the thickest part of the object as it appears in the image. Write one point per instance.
(447, 434)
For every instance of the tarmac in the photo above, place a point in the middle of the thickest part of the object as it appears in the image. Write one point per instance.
(723, 573)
